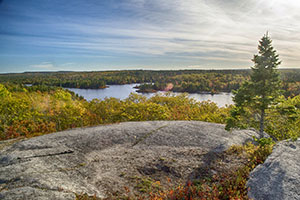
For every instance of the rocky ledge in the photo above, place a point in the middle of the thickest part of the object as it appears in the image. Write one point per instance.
(279, 177)
(103, 160)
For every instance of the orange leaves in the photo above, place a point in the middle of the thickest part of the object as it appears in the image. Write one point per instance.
(126, 189)
(231, 185)
(28, 128)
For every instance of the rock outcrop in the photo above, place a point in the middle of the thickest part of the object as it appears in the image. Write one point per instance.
(101, 160)
(279, 177)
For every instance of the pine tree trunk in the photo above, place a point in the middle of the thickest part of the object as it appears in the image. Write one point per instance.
(261, 128)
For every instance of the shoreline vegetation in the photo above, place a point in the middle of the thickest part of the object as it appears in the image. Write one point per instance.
(152, 88)
(190, 81)
(27, 111)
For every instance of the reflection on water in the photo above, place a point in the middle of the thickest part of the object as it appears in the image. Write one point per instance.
(123, 91)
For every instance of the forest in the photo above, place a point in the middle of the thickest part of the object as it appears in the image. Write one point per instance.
(45, 106)
(30, 111)
(27, 111)
(191, 81)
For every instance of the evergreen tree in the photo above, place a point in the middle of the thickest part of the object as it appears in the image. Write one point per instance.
(261, 91)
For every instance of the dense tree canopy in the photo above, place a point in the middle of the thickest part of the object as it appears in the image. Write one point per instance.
(30, 111)
(191, 81)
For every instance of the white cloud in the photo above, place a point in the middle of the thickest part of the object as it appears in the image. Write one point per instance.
(44, 65)
(191, 29)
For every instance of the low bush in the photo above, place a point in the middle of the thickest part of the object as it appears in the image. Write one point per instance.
(229, 184)
(27, 113)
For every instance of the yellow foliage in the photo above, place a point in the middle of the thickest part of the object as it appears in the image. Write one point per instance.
(28, 113)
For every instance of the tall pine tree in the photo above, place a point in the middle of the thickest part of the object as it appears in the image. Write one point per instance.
(257, 94)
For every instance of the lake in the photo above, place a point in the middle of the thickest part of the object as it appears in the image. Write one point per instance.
(123, 91)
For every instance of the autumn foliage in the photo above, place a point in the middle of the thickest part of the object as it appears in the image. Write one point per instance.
(37, 110)
(31, 111)
(229, 184)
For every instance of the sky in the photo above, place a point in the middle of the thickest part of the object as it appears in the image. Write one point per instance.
(96, 35)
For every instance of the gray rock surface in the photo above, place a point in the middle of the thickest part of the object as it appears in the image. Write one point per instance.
(101, 160)
(279, 177)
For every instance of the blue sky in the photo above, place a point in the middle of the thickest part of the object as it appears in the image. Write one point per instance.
(84, 35)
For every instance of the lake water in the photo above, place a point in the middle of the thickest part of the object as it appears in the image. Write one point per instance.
(123, 91)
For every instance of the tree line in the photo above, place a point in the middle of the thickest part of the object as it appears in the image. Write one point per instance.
(191, 81)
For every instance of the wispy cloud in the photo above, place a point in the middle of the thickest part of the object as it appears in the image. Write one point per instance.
(194, 32)
(44, 65)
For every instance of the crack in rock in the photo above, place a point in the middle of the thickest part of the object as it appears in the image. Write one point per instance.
(6, 161)
(143, 138)
(46, 155)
